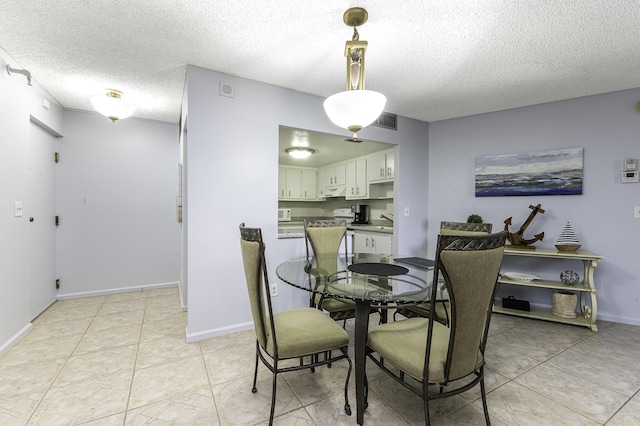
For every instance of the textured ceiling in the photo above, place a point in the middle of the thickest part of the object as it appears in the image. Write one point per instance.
(432, 59)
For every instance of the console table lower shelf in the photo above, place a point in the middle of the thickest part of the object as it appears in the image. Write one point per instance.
(544, 314)
(585, 290)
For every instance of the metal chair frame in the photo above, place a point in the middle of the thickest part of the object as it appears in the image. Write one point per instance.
(255, 235)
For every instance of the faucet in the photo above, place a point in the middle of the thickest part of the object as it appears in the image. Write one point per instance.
(387, 216)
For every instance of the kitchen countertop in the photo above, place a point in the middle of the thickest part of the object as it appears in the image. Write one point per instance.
(383, 229)
(294, 229)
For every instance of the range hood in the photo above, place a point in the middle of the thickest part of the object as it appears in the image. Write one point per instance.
(335, 191)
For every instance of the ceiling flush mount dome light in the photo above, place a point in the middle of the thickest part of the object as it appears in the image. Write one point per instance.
(111, 105)
(355, 108)
(300, 153)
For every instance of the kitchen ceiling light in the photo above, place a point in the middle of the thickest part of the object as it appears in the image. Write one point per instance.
(111, 105)
(300, 153)
(356, 107)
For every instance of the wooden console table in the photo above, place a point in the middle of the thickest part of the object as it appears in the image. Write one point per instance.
(586, 289)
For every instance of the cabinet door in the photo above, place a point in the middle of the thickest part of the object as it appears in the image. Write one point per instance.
(328, 177)
(377, 169)
(282, 183)
(320, 185)
(381, 243)
(340, 174)
(389, 165)
(362, 184)
(309, 189)
(294, 184)
(361, 242)
(351, 181)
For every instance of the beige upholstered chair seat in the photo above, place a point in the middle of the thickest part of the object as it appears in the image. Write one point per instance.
(306, 331)
(422, 310)
(403, 344)
(331, 304)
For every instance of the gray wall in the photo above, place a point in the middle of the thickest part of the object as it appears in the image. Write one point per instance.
(607, 126)
(116, 189)
(20, 105)
(231, 157)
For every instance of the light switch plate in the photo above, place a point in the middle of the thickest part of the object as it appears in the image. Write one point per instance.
(17, 208)
(636, 212)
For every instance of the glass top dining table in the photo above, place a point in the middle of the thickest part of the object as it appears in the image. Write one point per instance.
(369, 280)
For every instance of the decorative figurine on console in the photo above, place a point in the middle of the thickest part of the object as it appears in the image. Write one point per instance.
(516, 239)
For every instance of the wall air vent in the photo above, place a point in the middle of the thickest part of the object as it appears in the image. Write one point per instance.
(387, 121)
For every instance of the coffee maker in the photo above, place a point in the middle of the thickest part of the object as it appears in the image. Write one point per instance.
(360, 213)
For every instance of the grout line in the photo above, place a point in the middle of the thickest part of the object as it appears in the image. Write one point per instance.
(65, 362)
(135, 361)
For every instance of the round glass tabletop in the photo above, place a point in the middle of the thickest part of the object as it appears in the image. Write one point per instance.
(376, 278)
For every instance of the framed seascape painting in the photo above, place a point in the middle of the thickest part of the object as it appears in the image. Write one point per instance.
(556, 172)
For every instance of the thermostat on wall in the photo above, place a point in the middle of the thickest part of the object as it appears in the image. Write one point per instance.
(629, 177)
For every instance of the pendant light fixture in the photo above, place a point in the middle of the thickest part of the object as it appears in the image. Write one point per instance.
(112, 106)
(355, 108)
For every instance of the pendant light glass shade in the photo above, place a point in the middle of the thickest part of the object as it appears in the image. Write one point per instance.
(354, 109)
(112, 106)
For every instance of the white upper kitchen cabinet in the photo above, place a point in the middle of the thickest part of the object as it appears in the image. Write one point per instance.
(357, 184)
(296, 183)
(309, 189)
(380, 166)
(335, 175)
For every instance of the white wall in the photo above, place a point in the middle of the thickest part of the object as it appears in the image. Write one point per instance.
(19, 104)
(116, 189)
(607, 126)
(232, 175)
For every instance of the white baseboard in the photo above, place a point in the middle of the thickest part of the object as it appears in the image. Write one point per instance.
(15, 339)
(207, 334)
(115, 290)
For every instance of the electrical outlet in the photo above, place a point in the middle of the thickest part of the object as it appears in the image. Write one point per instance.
(274, 290)
(636, 212)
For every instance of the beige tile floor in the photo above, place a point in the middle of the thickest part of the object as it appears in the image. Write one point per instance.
(122, 359)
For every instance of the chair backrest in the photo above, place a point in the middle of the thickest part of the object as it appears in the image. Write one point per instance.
(463, 228)
(255, 271)
(323, 238)
(470, 265)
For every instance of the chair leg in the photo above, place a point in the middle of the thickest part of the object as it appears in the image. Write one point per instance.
(273, 393)
(427, 420)
(484, 400)
(255, 372)
(366, 391)
(347, 407)
(425, 390)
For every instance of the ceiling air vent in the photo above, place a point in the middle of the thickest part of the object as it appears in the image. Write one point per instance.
(387, 121)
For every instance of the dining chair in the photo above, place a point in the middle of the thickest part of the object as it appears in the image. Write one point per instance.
(324, 239)
(442, 306)
(294, 334)
(445, 360)
(464, 228)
